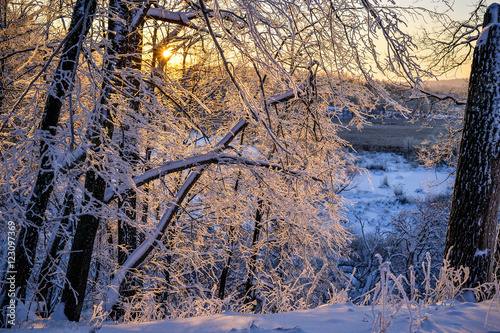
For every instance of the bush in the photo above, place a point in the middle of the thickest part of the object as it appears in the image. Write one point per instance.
(414, 233)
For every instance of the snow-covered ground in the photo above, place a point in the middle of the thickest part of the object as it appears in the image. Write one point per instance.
(450, 317)
(389, 184)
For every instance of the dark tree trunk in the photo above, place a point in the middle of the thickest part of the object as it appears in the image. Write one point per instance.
(3, 26)
(225, 271)
(127, 233)
(45, 285)
(472, 229)
(26, 245)
(118, 57)
(82, 248)
(127, 243)
(252, 266)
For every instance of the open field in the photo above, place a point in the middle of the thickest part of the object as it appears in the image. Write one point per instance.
(393, 135)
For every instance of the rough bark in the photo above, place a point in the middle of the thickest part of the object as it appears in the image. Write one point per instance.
(81, 250)
(95, 185)
(26, 245)
(127, 232)
(472, 229)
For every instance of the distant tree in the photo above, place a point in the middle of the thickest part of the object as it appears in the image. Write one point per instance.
(472, 231)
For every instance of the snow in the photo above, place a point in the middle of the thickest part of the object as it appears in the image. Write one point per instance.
(481, 252)
(449, 317)
(163, 14)
(389, 184)
(492, 11)
(376, 200)
(459, 317)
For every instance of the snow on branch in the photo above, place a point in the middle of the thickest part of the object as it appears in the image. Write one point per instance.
(141, 253)
(212, 157)
(175, 166)
(181, 18)
(165, 169)
(139, 16)
(290, 94)
(230, 159)
(443, 97)
(68, 162)
(198, 160)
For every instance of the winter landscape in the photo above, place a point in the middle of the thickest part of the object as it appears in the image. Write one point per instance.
(374, 200)
(249, 166)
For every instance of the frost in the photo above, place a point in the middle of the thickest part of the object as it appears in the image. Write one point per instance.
(162, 14)
(479, 252)
(493, 16)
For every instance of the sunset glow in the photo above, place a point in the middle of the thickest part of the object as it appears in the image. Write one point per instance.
(167, 53)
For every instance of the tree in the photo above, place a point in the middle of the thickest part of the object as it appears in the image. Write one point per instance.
(471, 239)
(230, 134)
(26, 245)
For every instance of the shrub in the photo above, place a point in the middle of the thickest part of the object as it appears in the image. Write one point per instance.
(417, 235)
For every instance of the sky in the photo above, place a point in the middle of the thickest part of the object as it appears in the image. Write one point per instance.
(460, 10)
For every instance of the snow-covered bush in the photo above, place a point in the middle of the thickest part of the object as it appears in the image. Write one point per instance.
(416, 235)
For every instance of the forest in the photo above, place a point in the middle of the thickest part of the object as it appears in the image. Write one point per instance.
(165, 159)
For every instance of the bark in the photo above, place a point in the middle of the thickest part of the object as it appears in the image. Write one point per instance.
(252, 267)
(95, 185)
(225, 271)
(45, 284)
(127, 243)
(127, 232)
(472, 229)
(26, 245)
(81, 249)
(3, 26)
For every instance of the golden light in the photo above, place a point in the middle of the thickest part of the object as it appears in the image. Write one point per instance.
(167, 53)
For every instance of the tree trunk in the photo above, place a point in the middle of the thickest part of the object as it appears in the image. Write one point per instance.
(27, 240)
(81, 250)
(125, 40)
(45, 285)
(252, 267)
(472, 229)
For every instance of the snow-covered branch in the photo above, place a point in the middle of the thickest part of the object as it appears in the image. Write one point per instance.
(140, 254)
(290, 94)
(212, 157)
(181, 18)
(175, 166)
(68, 162)
(442, 97)
(139, 16)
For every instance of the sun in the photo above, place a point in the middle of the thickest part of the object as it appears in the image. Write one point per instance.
(167, 53)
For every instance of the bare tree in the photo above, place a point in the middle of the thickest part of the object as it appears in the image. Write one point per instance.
(165, 113)
(27, 240)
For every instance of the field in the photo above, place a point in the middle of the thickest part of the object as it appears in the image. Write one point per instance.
(393, 135)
